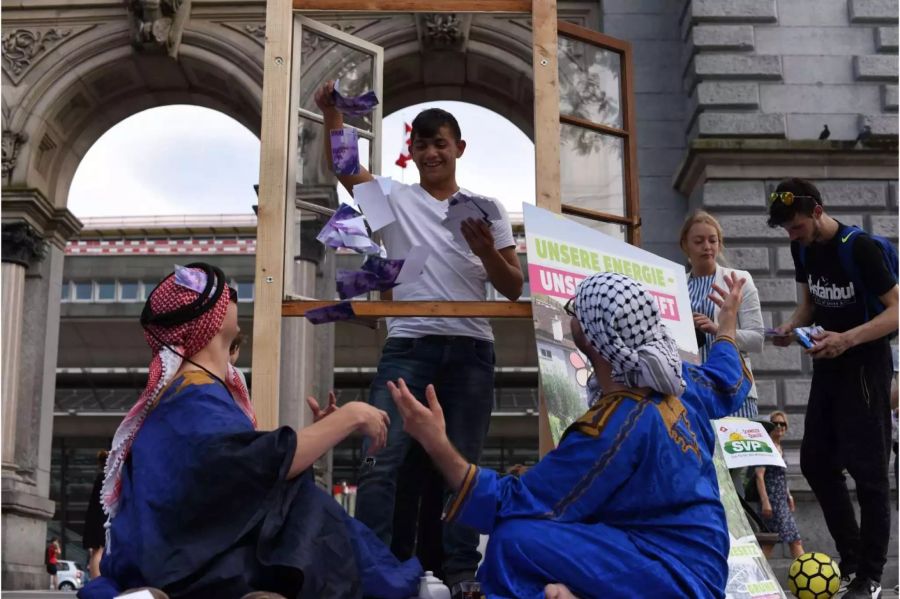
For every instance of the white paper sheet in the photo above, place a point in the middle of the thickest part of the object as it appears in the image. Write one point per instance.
(370, 197)
(414, 264)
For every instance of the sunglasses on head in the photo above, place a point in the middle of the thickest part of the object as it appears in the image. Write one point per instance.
(785, 197)
(570, 307)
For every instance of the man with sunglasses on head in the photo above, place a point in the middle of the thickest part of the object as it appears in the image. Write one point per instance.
(851, 293)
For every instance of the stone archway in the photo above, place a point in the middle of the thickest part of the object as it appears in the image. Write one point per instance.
(66, 81)
(71, 71)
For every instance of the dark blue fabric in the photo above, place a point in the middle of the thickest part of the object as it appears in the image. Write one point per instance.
(462, 371)
(206, 511)
(626, 506)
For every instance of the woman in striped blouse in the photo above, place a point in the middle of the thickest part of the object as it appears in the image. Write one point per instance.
(702, 242)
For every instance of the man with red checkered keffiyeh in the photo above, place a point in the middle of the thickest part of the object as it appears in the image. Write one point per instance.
(200, 503)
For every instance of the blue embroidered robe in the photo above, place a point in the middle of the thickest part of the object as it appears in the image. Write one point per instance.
(626, 506)
(206, 512)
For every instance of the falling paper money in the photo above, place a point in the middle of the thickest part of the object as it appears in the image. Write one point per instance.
(385, 270)
(463, 206)
(371, 198)
(345, 151)
(354, 106)
(347, 229)
(333, 313)
(353, 283)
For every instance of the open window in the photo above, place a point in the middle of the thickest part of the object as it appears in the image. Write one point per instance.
(585, 155)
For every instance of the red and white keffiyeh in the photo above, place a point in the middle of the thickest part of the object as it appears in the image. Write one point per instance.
(167, 343)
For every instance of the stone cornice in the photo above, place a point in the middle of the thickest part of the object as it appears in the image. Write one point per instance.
(782, 158)
(56, 225)
(27, 504)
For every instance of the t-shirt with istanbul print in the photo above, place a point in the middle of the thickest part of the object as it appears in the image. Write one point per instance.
(837, 305)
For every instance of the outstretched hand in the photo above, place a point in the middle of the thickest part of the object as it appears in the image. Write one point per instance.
(318, 412)
(729, 300)
(423, 423)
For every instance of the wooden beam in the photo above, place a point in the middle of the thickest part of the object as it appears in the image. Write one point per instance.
(630, 162)
(546, 105)
(269, 285)
(598, 127)
(382, 309)
(504, 6)
(605, 217)
(546, 139)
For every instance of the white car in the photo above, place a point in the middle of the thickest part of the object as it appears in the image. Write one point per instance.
(69, 577)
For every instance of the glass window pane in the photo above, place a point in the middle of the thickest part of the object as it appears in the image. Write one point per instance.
(324, 59)
(589, 82)
(83, 291)
(245, 291)
(106, 291)
(612, 229)
(64, 291)
(129, 291)
(592, 170)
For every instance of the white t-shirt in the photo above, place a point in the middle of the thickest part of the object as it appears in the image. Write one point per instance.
(452, 272)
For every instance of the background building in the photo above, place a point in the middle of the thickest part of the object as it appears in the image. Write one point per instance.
(731, 96)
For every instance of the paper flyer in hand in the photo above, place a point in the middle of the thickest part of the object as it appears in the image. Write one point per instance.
(463, 206)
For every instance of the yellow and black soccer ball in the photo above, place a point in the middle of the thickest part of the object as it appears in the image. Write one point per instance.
(814, 576)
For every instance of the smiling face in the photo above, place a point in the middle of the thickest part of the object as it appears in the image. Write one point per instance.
(435, 156)
(702, 246)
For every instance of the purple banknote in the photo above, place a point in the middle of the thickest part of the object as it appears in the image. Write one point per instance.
(377, 274)
(385, 269)
(333, 313)
(356, 105)
(345, 151)
(347, 229)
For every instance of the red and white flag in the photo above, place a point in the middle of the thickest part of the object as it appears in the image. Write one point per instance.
(405, 154)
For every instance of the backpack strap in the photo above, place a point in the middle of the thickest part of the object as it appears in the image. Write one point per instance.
(845, 255)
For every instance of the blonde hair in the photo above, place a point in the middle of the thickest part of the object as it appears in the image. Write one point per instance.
(783, 415)
(701, 217)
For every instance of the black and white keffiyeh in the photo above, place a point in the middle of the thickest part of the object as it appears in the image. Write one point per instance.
(621, 320)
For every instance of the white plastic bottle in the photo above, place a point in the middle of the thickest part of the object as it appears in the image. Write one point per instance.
(431, 587)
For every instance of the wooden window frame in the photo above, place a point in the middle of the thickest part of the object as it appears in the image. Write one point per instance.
(631, 221)
(276, 188)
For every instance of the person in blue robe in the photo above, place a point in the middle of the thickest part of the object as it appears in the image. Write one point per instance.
(201, 504)
(628, 504)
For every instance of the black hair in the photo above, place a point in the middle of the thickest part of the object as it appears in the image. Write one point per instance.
(428, 122)
(806, 198)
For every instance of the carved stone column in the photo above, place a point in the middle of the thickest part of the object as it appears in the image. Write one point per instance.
(22, 246)
(34, 236)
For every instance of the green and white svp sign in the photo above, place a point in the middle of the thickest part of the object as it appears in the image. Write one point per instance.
(746, 443)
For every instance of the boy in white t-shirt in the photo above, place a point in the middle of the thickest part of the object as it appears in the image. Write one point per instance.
(454, 354)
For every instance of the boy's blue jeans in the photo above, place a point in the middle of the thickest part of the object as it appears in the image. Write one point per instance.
(462, 372)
